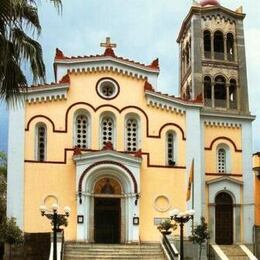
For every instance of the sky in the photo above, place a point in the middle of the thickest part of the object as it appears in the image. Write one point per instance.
(143, 30)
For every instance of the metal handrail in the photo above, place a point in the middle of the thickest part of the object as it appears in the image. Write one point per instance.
(168, 247)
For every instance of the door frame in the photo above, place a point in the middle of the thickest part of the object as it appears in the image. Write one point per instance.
(218, 206)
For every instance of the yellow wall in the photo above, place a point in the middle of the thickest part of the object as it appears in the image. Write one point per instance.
(42, 179)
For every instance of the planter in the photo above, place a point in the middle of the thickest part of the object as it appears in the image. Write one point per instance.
(166, 232)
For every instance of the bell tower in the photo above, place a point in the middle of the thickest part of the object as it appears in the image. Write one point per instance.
(212, 57)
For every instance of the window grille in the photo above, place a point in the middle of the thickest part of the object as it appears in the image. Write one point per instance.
(82, 131)
(41, 142)
(170, 149)
(107, 130)
(221, 160)
(131, 135)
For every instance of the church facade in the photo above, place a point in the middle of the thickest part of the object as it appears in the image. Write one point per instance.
(103, 141)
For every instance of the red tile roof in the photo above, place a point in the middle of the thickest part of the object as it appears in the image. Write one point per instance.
(109, 52)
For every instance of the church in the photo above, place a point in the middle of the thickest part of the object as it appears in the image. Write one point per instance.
(104, 141)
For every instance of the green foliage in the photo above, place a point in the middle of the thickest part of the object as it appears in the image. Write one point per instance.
(10, 233)
(3, 185)
(61, 221)
(200, 234)
(166, 224)
(19, 21)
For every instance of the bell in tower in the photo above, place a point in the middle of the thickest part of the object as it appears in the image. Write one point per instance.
(212, 57)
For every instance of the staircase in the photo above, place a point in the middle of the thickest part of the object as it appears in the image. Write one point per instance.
(81, 250)
(234, 252)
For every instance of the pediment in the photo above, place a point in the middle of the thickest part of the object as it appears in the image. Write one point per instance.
(107, 155)
(224, 179)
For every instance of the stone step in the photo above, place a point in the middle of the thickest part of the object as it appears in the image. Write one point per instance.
(234, 252)
(81, 250)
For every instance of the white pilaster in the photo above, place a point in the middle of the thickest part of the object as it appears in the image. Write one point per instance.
(193, 150)
(248, 178)
(15, 177)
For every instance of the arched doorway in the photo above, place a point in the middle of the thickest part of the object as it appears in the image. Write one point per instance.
(107, 211)
(224, 219)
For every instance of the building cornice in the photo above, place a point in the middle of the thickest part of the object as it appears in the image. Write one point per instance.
(45, 93)
(169, 103)
(225, 115)
(198, 10)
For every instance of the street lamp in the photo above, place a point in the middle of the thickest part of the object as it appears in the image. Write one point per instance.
(54, 216)
(181, 218)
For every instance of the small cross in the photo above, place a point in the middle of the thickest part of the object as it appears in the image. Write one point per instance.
(108, 44)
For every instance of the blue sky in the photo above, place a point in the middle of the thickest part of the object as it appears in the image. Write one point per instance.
(143, 30)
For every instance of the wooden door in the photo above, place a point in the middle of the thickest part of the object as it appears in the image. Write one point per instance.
(224, 219)
(107, 220)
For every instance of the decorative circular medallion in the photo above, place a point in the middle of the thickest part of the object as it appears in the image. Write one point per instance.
(107, 88)
(162, 203)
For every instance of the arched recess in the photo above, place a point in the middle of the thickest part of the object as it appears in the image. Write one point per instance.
(81, 128)
(230, 47)
(89, 195)
(220, 92)
(223, 158)
(207, 44)
(132, 132)
(224, 220)
(218, 45)
(207, 91)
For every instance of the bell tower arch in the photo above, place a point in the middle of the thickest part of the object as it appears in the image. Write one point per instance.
(212, 57)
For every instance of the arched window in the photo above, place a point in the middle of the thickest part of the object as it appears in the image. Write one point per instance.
(107, 130)
(171, 147)
(207, 44)
(131, 134)
(222, 160)
(207, 91)
(220, 91)
(187, 51)
(81, 130)
(230, 47)
(233, 94)
(41, 142)
(218, 45)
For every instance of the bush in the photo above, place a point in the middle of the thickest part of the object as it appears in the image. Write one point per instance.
(10, 233)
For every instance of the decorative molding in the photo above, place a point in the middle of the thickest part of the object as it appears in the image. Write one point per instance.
(223, 174)
(168, 103)
(148, 164)
(117, 88)
(226, 139)
(111, 163)
(222, 124)
(108, 106)
(224, 178)
(46, 94)
(160, 209)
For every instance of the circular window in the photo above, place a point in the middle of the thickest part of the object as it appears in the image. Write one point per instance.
(107, 88)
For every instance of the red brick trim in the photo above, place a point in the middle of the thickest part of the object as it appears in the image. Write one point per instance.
(149, 165)
(224, 174)
(223, 138)
(111, 106)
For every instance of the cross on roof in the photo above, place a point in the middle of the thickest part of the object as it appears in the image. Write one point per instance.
(108, 44)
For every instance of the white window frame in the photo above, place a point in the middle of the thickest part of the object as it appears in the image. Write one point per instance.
(76, 114)
(37, 126)
(228, 168)
(102, 117)
(174, 147)
(138, 132)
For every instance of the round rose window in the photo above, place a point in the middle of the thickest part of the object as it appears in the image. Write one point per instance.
(107, 88)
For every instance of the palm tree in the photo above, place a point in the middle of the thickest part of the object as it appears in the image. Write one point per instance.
(18, 18)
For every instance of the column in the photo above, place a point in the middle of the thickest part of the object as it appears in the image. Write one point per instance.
(225, 47)
(212, 46)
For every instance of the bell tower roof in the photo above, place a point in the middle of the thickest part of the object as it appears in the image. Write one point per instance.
(209, 2)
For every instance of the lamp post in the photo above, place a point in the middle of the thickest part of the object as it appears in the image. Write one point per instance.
(54, 216)
(181, 218)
